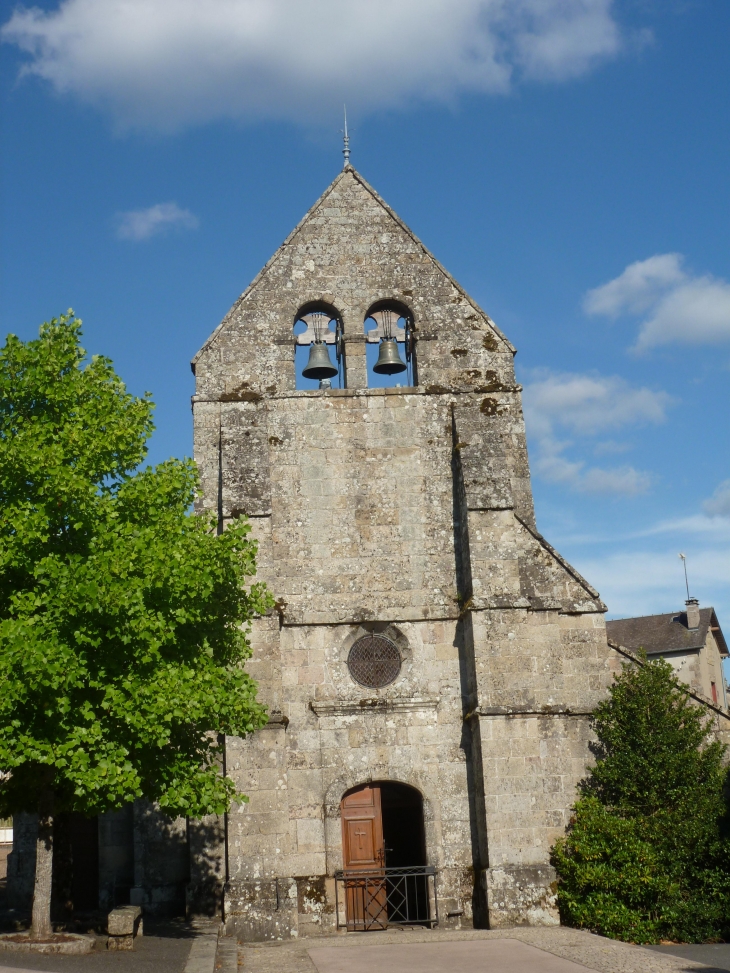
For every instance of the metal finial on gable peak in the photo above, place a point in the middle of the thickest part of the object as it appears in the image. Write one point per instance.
(346, 140)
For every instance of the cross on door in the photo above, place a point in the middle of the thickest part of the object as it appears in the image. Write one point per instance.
(362, 828)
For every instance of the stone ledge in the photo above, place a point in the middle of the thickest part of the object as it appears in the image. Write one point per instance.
(527, 711)
(347, 707)
(64, 943)
(352, 393)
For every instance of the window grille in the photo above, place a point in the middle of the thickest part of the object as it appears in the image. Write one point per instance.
(374, 661)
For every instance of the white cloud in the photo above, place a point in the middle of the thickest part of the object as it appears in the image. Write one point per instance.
(713, 522)
(167, 63)
(681, 307)
(638, 287)
(141, 224)
(607, 447)
(552, 466)
(585, 406)
(718, 505)
(635, 582)
(625, 480)
(715, 526)
(640, 573)
(590, 404)
(697, 312)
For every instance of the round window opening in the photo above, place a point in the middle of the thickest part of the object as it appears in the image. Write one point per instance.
(374, 661)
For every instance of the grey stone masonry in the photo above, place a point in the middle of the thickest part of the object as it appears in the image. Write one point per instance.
(405, 512)
(123, 924)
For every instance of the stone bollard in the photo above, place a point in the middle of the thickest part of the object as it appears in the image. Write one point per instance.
(123, 924)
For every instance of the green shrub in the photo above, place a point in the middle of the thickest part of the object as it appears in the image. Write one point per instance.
(647, 855)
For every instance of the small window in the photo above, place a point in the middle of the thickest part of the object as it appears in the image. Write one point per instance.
(390, 345)
(374, 661)
(714, 693)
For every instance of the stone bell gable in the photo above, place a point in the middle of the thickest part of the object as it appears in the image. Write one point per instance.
(432, 661)
(349, 252)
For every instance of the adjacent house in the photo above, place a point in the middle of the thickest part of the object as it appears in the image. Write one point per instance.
(691, 641)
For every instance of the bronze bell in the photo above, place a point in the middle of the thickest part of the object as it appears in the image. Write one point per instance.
(319, 364)
(389, 361)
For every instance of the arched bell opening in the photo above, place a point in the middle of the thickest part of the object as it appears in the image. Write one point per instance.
(390, 345)
(385, 876)
(319, 350)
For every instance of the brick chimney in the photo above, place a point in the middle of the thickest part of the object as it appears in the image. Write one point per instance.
(693, 613)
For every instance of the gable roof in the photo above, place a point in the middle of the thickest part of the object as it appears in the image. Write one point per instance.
(352, 173)
(665, 633)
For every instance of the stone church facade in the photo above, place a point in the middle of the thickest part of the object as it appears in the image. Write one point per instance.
(432, 661)
(431, 664)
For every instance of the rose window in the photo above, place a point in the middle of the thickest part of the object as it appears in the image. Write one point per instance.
(374, 661)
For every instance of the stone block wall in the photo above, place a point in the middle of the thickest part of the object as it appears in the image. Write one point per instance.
(349, 252)
(170, 867)
(333, 735)
(21, 862)
(161, 861)
(406, 512)
(116, 857)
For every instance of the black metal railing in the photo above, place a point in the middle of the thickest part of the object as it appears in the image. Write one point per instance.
(387, 897)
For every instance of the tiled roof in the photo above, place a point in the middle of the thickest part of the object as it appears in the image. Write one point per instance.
(665, 633)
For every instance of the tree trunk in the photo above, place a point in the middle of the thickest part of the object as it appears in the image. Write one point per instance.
(41, 927)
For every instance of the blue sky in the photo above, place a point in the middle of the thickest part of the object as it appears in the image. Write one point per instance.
(567, 160)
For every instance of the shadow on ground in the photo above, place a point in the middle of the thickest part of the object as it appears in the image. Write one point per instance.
(715, 955)
(163, 949)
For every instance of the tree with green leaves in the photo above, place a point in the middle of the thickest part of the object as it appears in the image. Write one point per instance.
(647, 855)
(123, 614)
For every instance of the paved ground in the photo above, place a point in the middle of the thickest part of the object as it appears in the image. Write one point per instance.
(717, 956)
(477, 957)
(173, 948)
(166, 950)
(523, 950)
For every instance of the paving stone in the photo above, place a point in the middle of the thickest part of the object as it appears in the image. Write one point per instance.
(576, 949)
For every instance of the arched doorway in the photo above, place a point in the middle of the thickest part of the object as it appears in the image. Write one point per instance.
(385, 874)
(403, 829)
